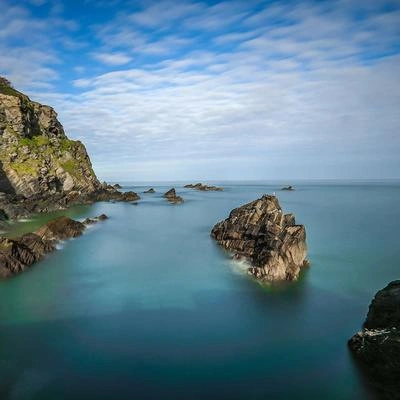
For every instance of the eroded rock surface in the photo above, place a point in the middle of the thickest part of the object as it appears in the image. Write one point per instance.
(151, 190)
(269, 240)
(377, 345)
(16, 255)
(172, 197)
(41, 169)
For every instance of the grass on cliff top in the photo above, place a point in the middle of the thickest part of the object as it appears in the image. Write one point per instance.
(10, 91)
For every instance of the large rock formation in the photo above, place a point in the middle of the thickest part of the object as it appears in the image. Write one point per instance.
(269, 240)
(204, 188)
(377, 345)
(40, 168)
(16, 255)
(35, 154)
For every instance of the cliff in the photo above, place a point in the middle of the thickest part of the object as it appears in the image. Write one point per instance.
(273, 244)
(377, 345)
(40, 168)
(35, 154)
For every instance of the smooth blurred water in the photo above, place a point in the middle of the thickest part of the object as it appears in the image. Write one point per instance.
(146, 306)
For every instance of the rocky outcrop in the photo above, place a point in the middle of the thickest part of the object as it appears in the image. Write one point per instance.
(117, 186)
(205, 188)
(269, 240)
(290, 188)
(377, 345)
(41, 169)
(151, 190)
(16, 255)
(172, 197)
(35, 154)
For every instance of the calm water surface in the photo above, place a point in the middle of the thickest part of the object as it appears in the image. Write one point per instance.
(146, 306)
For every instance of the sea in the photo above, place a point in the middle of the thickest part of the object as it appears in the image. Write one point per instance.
(145, 305)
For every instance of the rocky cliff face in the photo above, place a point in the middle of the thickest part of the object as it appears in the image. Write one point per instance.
(377, 345)
(270, 240)
(36, 157)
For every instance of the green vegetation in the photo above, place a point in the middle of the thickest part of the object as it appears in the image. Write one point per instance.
(28, 167)
(72, 167)
(35, 141)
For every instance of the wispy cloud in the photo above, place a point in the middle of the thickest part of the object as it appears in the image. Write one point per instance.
(240, 90)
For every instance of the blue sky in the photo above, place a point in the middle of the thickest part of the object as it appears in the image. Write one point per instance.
(197, 90)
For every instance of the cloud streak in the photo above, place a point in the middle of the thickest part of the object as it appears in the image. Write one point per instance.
(235, 90)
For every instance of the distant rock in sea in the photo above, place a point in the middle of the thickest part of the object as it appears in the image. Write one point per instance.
(269, 240)
(16, 255)
(205, 188)
(377, 345)
(172, 197)
(288, 188)
(117, 186)
(151, 190)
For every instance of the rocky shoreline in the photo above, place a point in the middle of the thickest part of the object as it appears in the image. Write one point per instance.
(259, 232)
(19, 254)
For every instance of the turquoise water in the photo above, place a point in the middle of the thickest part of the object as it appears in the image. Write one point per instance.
(146, 306)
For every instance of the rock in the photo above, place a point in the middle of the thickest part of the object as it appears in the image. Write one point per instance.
(377, 346)
(18, 254)
(288, 188)
(151, 190)
(36, 157)
(206, 188)
(91, 221)
(269, 240)
(117, 186)
(60, 229)
(171, 196)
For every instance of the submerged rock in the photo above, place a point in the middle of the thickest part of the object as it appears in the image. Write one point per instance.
(288, 188)
(205, 188)
(172, 197)
(269, 240)
(151, 190)
(377, 345)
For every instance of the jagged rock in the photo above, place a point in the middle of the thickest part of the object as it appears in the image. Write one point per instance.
(172, 197)
(288, 188)
(377, 345)
(205, 188)
(117, 186)
(35, 154)
(18, 254)
(151, 190)
(269, 240)
(60, 229)
(41, 169)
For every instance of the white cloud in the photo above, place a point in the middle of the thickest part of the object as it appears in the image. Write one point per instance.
(112, 58)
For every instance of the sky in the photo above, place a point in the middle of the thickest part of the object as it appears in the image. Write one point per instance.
(215, 90)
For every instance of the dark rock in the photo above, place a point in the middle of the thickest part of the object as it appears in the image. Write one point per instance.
(172, 197)
(151, 190)
(270, 241)
(377, 346)
(202, 187)
(288, 188)
(16, 255)
(60, 229)
(91, 221)
(117, 186)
